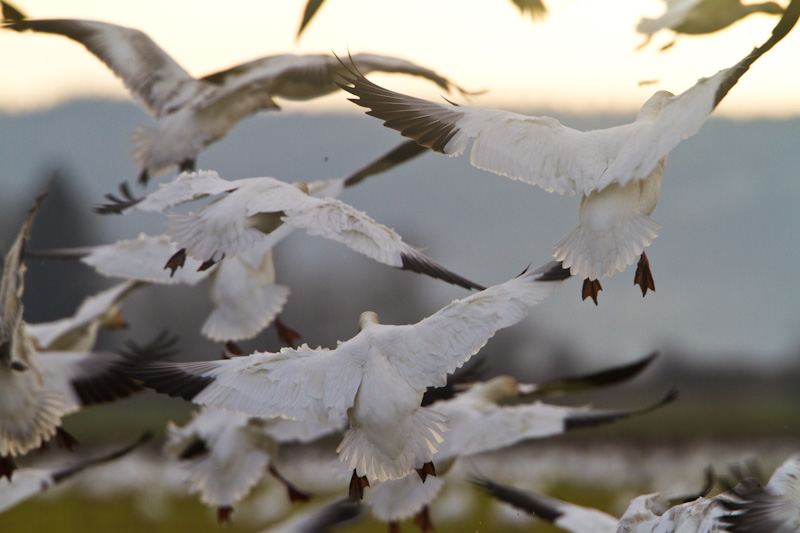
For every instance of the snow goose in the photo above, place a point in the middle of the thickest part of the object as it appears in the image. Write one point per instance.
(225, 453)
(193, 113)
(697, 17)
(645, 514)
(377, 378)
(29, 482)
(617, 170)
(480, 420)
(78, 333)
(774, 508)
(259, 212)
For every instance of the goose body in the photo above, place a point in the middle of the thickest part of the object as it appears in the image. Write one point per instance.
(617, 171)
(376, 379)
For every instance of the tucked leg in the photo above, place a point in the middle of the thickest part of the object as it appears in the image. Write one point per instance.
(423, 520)
(644, 278)
(286, 335)
(591, 288)
(7, 467)
(357, 486)
(295, 494)
(224, 513)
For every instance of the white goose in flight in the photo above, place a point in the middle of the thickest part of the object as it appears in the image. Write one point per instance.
(617, 170)
(193, 113)
(259, 212)
(698, 17)
(376, 379)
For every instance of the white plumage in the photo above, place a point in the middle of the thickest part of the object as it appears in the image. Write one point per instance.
(617, 170)
(376, 379)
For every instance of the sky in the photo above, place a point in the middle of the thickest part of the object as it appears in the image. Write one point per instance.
(581, 58)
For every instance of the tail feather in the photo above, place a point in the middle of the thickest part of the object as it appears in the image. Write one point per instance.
(368, 459)
(593, 257)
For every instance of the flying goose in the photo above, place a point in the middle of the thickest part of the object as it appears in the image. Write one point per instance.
(617, 170)
(192, 113)
(259, 212)
(225, 453)
(489, 416)
(697, 17)
(377, 378)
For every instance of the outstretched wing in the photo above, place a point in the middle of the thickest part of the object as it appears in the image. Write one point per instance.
(297, 383)
(425, 352)
(147, 71)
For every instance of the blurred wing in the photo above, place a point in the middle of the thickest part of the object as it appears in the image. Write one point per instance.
(320, 518)
(85, 379)
(92, 310)
(302, 383)
(143, 258)
(568, 516)
(425, 352)
(311, 9)
(534, 8)
(186, 188)
(394, 500)
(147, 71)
(365, 63)
(536, 150)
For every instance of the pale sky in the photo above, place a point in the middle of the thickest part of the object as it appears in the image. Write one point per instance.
(581, 58)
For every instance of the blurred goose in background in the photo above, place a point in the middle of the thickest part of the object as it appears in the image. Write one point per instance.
(78, 333)
(490, 416)
(617, 170)
(38, 388)
(645, 514)
(697, 17)
(29, 482)
(774, 507)
(377, 378)
(193, 113)
(225, 453)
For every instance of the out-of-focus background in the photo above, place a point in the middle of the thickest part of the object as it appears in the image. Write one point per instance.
(726, 312)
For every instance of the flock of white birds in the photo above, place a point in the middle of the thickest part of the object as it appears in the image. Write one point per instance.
(390, 390)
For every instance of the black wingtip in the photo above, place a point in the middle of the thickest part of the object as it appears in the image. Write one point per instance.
(424, 265)
(552, 271)
(118, 205)
(591, 419)
(533, 504)
(171, 379)
(71, 470)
